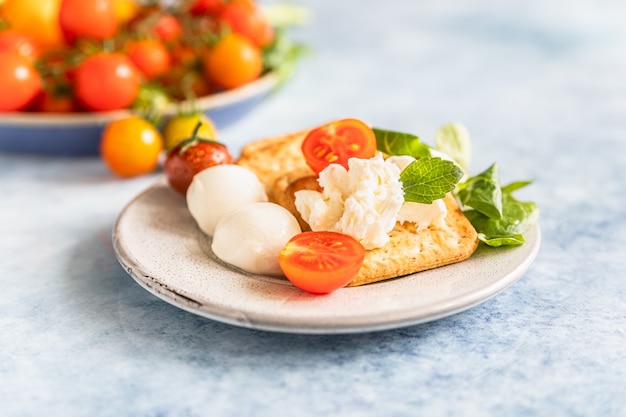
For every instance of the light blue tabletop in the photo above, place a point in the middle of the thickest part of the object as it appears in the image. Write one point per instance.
(541, 86)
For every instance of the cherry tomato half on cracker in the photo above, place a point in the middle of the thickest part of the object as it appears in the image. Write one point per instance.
(321, 262)
(338, 141)
(192, 156)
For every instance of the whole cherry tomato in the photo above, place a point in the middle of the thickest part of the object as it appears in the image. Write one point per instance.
(52, 102)
(168, 28)
(232, 62)
(208, 7)
(23, 44)
(150, 56)
(94, 19)
(190, 157)
(248, 19)
(106, 81)
(338, 141)
(19, 81)
(321, 262)
(182, 127)
(36, 18)
(131, 146)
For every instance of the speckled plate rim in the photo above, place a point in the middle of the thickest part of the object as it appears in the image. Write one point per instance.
(158, 244)
(213, 101)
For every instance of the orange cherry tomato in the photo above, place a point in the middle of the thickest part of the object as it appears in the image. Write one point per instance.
(106, 81)
(232, 62)
(36, 18)
(94, 19)
(336, 142)
(321, 262)
(248, 19)
(131, 146)
(19, 81)
(150, 56)
(23, 44)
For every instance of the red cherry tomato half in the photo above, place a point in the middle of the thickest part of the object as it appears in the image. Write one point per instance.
(338, 141)
(19, 81)
(106, 81)
(321, 262)
(190, 157)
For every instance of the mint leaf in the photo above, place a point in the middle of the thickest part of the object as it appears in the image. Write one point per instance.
(428, 179)
(453, 139)
(483, 193)
(398, 143)
(517, 218)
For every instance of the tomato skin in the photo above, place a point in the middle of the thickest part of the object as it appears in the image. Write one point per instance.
(150, 56)
(25, 45)
(321, 262)
(208, 7)
(94, 19)
(232, 62)
(48, 102)
(106, 81)
(19, 81)
(337, 142)
(190, 157)
(247, 18)
(131, 146)
(168, 28)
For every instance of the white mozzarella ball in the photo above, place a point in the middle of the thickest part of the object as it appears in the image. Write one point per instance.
(218, 190)
(251, 237)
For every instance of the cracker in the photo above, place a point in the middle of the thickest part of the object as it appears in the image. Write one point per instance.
(278, 162)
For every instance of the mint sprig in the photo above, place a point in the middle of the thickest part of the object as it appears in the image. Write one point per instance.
(428, 179)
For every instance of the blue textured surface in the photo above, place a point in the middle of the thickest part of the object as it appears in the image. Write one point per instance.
(541, 87)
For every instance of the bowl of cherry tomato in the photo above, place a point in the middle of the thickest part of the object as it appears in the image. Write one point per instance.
(71, 68)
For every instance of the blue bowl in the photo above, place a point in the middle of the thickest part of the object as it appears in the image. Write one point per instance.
(78, 134)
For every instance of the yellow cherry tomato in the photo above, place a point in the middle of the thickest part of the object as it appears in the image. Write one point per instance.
(125, 10)
(181, 127)
(131, 146)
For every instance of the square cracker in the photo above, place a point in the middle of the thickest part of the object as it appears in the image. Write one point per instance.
(278, 160)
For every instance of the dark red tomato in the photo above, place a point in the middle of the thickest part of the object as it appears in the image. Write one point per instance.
(49, 102)
(12, 40)
(248, 19)
(336, 142)
(94, 19)
(321, 262)
(208, 7)
(150, 56)
(19, 81)
(106, 81)
(190, 157)
(168, 28)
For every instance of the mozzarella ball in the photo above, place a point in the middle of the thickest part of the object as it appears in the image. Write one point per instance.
(218, 190)
(251, 237)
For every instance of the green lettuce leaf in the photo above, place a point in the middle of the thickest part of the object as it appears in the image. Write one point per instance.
(398, 143)
(454, 140)
(428, 179)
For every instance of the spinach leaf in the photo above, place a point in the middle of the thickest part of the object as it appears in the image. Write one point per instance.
(428, 179)
(454, 140)
(398, 143)
(483, 193)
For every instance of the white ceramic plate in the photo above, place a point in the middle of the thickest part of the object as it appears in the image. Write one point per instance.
(159, 245)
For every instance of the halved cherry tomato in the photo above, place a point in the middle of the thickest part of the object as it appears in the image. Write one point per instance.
(150, 56)
(232, 62)
(19, 81)
(94, 19)
(106, 81)
(131, 146)
(338, 141)
(321, 262)
(190, 157)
